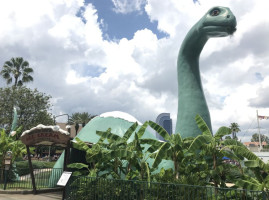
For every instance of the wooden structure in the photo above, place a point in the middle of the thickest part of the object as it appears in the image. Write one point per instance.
(45, 136)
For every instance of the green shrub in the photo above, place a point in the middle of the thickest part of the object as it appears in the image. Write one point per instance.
(22, 167)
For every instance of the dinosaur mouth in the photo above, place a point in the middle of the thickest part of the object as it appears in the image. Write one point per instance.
(220, 30)
(231, 29)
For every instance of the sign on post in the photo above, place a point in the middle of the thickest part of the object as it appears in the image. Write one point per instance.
(45, 135)
(64, 178)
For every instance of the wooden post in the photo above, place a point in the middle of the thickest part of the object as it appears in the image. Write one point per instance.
(31, 169)
(66, 155)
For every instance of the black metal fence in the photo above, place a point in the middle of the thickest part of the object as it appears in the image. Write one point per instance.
(21, 179)
(88, 188)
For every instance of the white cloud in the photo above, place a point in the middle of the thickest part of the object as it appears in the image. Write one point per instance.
(139, 75)
(127, 6)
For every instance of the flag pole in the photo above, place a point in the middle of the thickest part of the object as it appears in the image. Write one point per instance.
(259, 132)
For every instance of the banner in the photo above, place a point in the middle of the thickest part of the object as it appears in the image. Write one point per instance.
(263, 117)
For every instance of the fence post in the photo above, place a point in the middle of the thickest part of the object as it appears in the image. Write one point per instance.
(5, 184)
(31, 169)
(264, 195)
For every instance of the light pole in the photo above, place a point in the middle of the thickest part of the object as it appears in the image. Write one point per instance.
(68, 127)
(54, 117)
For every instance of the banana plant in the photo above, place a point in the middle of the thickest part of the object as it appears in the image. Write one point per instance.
(260, 180)
(128, 157)
(210, 145)
(173, 148)
(115, 155)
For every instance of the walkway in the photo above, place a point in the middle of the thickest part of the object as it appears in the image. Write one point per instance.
(44, 196)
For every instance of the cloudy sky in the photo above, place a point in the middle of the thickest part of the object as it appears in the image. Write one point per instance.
(103, 55)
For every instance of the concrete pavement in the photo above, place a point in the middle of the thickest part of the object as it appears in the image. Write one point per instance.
(44, 196)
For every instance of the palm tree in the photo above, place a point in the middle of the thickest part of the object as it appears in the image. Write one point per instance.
(235, 129)
(85, 117)
(75, 119)
(80, 118)
(18, 69)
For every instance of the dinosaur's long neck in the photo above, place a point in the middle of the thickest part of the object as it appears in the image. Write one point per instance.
(191, 99)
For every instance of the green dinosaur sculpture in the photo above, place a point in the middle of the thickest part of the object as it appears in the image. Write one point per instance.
(217, 22)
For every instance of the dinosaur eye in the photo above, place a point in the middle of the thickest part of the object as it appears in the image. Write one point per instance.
(215, 12)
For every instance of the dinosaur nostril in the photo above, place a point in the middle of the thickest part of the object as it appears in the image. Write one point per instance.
(228, 16)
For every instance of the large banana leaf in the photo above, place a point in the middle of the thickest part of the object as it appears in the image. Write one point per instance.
(177, 139)
(77, 165)
(202, 125)
(120, 153)
(80, 145)
(222, 131)
(160, 130)
(243, 151)
(129, 132)
(155, 144)
(199, 141)
(249, 183)
(160, 154)
(252, 163)
(228, 142)
(108, 135)
(142, 129)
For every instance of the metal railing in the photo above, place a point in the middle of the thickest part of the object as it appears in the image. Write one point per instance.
(88, 188)
(44, 178)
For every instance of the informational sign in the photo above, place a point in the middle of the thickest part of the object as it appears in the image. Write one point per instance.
(64, 178)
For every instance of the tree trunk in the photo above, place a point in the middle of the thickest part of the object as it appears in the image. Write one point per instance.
(76, 128)
(16, 81)
(214, 167)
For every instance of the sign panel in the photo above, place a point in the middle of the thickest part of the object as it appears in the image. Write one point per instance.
(45, 136)
(64, 178)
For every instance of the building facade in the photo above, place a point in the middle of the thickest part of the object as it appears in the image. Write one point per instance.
(165, 121)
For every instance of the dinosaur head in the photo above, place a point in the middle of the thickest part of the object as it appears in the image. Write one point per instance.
(218, 22)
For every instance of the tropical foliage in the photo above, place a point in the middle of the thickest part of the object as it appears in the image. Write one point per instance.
(204, 160)
(255, 138)
(17, 70)
(9, 143)
(80, 118)
(32, 107)
(235, 129)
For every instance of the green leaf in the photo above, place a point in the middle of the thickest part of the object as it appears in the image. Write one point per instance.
(77, 165)
(199, 141)
(252, 163)
(79, 144)
(250, 184)
(229, 154)
(142, 129)
(77, 173)
(228, 142)
(222, 131)
(129, 132)
(202, 125)
(108, 135)
(155, 144)
(160, 130)
(160, 154)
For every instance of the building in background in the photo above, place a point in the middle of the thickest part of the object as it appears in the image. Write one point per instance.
(165, 121)
(72, 129)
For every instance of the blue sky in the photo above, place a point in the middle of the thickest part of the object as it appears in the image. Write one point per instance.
(119, 25)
